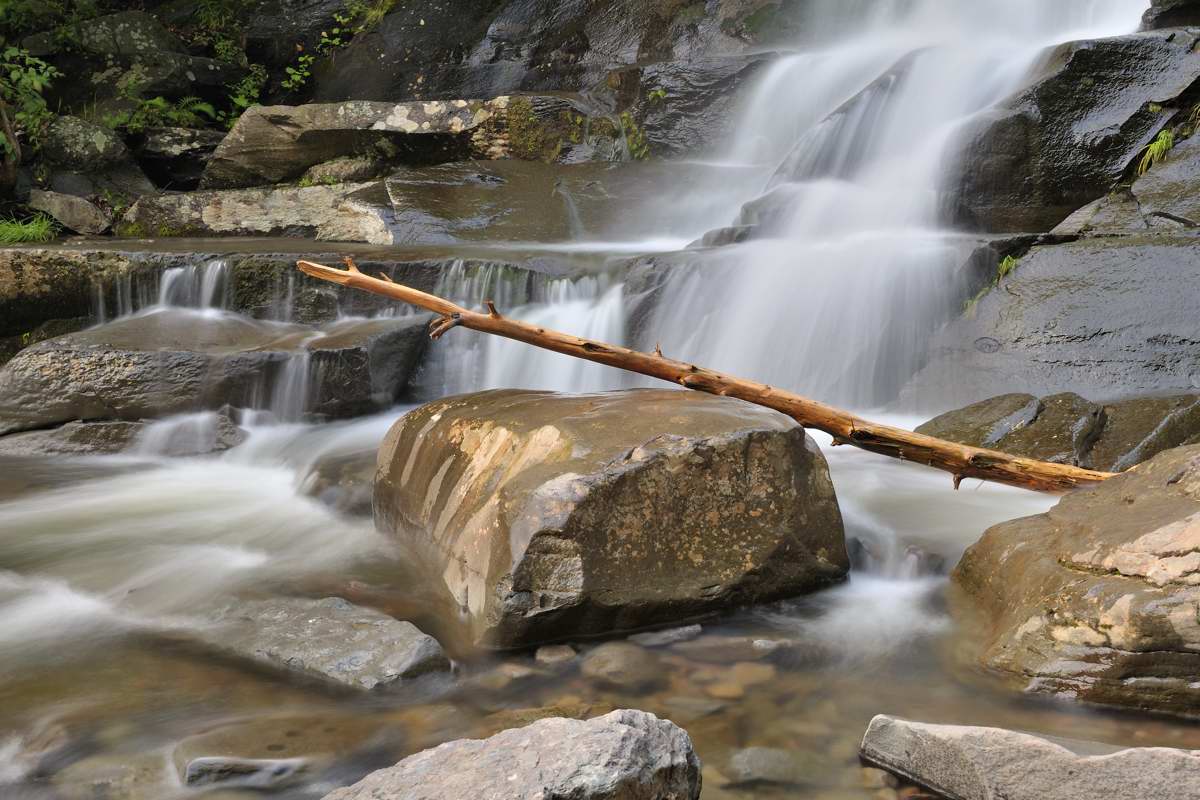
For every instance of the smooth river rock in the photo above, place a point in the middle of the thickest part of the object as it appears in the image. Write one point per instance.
(328, 639)
(1097, 598)
(551, 517)
(971, 763)
(624, 755)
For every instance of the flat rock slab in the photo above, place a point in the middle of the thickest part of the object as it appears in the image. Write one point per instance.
(625, 755)
(970, 763)
(329, 639)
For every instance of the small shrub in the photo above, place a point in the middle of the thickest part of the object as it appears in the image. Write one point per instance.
(244, 93)
(657, 97)
(635, 138)
(299, 73)
(1157, 150)
(36, 229)
(158, 112)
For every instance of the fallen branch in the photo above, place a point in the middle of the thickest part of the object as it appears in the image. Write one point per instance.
(845, 428)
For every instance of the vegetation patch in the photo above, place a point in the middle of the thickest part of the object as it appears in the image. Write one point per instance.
(38, 228)
(1006, 267)
(1157, 150)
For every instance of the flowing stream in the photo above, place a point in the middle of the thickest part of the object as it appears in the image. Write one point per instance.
(840, 153)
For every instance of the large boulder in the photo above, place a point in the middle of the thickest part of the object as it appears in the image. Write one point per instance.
(1096, 599)
(73, 213)
(971, 763)
(1104, 317)
(553, 516)
(270, 144)
(1055, 146)
(127, 33)
(1066, 428)
(624, 755)
(76, 144)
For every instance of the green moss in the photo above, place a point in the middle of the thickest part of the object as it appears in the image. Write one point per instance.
(530, 138)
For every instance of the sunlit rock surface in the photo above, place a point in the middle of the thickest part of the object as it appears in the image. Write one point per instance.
(973, 763)
(624, 755)
(1096, 599)
(553, 516)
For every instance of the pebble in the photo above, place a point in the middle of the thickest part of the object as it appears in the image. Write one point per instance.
(553, 655)
(664, 638)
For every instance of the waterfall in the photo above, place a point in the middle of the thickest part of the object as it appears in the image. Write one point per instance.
(196, 285)
(853, 268)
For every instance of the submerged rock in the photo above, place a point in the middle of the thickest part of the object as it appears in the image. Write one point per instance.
(1053, 147)
(623, 666)
(975, 763)
(1096, 599)
(1068, 429)
(556, 516)
(74, 438)
(329, 639)
(256, 773)
(624, 755)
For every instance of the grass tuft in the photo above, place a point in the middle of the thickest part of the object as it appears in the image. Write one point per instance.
(1157, 150)
(38, 228)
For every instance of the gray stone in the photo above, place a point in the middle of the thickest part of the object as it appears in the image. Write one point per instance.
(972, 763)
(127, 33)
(1063, 432)
(1171, 14)
(752, 765)
(342, 481)
(1054, 148)
(74, 438)
(83, 146)
(351, 169)
(329, 639)
(553, 655)
(558, 516)
(1104, 317)
(364, 366)
(1095, 599)
(244, 772)
(625, 755)
(350, 212)
(74, 213)
(623, 666)
(666, 637)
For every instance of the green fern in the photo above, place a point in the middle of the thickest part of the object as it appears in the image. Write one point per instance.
(1157, 150)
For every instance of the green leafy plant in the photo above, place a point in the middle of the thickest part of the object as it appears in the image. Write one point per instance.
(23, 112)
(1156, 151)
(635, 138)
(339, 35)
(158, 112)
(299, 73)
(244, 93)
(38, 228)
(657, 97)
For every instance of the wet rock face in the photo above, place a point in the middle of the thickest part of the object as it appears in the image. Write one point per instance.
(976, 763)
(553, 516)
(1068, 429)
(1096, 599)
(1056, 147)
(1104, 317)
(380, 355)
(1171, 13)
(624, 755)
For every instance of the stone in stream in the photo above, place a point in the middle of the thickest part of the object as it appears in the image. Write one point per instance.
(1067, 428)
(1095, 599)
(344, 482)
(665, 637)
(973, 763)
(624, 755)
(759, 765)
(555, 655)
(256, 773)
(328, 639)
(623, 666)
(1041, 155)
(74, 438)
(178, 361)
(556, 516)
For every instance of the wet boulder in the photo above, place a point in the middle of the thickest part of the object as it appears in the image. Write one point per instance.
(379, 356)
(1164, 200)
(1171, 14)
(76, 144)
(623, 755)
(74, 438)
(554, 516)
(1104, 317)
(973, 762)
(328, 639)
(1053, 148)
(1095, 599)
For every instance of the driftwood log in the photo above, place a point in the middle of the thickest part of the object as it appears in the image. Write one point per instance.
(959, 460)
